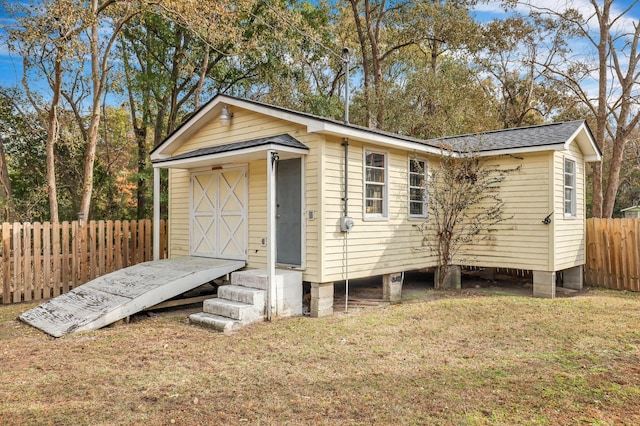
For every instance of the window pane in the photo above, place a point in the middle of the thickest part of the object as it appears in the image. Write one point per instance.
(568, 180)
(375, 159)
(416, 166)
(374, 191)
(416, 209)
(416, 180)
(569, 166)
(416, 194)
(375, 175)
(374, 206)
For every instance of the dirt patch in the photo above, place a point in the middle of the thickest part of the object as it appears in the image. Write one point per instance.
(418, 286)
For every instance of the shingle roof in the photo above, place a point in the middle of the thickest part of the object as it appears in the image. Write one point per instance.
(282, 140)
(520, 137)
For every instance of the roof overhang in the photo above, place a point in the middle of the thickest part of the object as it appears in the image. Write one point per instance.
(313, 125)
(587, 143)
(236, 156)
(372, 137)
(583, 136)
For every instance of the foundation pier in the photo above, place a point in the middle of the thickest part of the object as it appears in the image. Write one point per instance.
(321, 299)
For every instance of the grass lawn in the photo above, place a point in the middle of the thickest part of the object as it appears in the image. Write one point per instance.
(471, 359)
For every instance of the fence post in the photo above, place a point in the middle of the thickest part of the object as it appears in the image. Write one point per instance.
(37, 261)
(101, 247)
(65, 257)
(118, 242)
(55, 229)
(46, 264)
(109, 259)
(17, 261)
(6, 263)
(27, 280)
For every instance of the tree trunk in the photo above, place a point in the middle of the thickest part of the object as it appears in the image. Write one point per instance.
(92, 142)
(52, 138)
(366, 64)
(601, 119)
(10, 210)
(141, 196)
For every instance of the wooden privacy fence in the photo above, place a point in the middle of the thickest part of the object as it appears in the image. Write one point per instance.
(613, 253)
(43, 260)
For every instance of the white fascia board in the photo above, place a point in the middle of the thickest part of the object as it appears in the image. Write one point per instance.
(586, 143)
(157, 156)
(186, 129)
(370, 137)
(241, 154)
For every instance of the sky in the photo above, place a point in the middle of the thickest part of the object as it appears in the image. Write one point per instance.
(11, 67)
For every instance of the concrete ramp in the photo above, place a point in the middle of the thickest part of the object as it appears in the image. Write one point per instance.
(122, 293)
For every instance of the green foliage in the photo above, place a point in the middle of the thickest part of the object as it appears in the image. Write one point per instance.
(23, 139)
(425, 69)
(449, 102)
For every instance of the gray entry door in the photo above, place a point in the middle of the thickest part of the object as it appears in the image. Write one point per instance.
(289, 212)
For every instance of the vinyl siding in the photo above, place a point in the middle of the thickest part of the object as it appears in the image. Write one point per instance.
(569, 231)
(522, 241)
(374, 247)
(178, 213)
(245, 125)
(378, 247)
(257, 255)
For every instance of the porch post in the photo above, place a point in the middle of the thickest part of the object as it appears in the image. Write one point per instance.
(272, 157)
(156, 213)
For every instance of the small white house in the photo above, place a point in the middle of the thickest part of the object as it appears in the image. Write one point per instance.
(631, 212)
(278, 189)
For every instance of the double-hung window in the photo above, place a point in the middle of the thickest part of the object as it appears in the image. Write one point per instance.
(417, 188)
(569, 187)
(375, 184)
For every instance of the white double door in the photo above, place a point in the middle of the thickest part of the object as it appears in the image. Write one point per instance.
(219, 213)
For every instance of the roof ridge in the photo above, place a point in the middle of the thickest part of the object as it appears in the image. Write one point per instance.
(508, 129)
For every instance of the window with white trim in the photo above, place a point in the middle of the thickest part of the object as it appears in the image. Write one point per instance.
(375, 184)
(417, 188)
(569, 187)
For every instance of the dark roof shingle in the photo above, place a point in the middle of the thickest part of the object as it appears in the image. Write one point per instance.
(519, 137)
(282, 140)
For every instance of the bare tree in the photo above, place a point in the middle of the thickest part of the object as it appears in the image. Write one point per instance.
(465, 205)
(614, 35)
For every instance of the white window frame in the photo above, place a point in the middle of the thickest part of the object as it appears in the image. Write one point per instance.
(569, 202)
(385, 186)
(425, 200)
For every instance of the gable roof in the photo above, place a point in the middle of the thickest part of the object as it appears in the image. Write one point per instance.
(545, 137)
(528, 138)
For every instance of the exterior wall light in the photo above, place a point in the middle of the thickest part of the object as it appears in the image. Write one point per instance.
(225, 117)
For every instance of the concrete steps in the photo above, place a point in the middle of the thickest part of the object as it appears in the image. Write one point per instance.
(235, 307)
(215, 322)
(244, 300)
